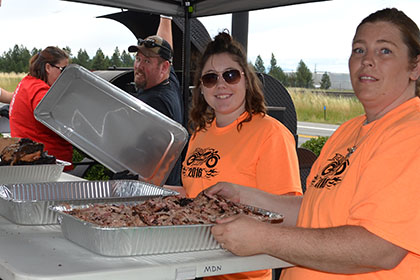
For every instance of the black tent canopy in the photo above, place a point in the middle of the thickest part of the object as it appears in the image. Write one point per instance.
(188, 9)
(194, 8)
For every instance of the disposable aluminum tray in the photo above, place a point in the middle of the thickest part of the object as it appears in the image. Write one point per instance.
(31, 173)
(147, 240)
(113, 127)
(28, 204)
(131, 241)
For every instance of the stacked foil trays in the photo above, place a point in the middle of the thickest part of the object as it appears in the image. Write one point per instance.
(44, 203)
(28, 204)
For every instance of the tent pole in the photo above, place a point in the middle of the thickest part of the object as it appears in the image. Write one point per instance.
(240, 28)
(186, 60)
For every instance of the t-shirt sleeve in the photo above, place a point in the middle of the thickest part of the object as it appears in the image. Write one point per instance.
(386, 201)
(278, 167)
(38, 95)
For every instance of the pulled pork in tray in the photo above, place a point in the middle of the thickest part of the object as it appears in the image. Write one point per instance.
(167, 211)
(23, 151)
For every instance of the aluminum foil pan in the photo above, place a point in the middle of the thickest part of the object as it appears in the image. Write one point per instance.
(28, 204)
(113, 127)
(131, 241)
(31, 173)
(146, 240)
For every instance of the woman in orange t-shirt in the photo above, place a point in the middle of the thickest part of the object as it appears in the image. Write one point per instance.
(359, 217)
(233, 138)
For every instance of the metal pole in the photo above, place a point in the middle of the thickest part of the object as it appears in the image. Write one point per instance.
(240, 28)
(186, 60)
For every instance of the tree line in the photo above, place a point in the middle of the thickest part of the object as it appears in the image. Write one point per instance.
(301, 78)
(17, 59)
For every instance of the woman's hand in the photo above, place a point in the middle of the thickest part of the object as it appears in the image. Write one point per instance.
(242, 235)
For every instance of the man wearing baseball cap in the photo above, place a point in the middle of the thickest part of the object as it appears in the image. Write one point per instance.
(156, 81)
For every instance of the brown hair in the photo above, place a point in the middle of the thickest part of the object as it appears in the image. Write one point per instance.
(201, 114)
(408, 28)
(51, 55)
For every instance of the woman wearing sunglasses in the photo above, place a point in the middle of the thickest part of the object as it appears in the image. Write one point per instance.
(233, 139)
(44, 69)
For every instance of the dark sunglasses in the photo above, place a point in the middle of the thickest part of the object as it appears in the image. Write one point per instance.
(231, 77)
(58, 67)
(151, 44)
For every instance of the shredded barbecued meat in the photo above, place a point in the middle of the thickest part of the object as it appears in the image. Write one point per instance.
(23, 151)
(165, 211)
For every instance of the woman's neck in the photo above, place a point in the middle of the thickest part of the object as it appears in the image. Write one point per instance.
(374, 113)
(223, 120)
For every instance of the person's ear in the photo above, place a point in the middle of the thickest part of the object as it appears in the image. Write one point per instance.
(48, 68)
(166, 65)
(415, 73)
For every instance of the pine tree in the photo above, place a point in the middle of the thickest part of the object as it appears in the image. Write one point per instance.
(259, 65)
(99, 61)
(82, 59)
(304, 76)
(68, 51)
(325, 81)
(127, 59)
(277, 72)
(116, 58)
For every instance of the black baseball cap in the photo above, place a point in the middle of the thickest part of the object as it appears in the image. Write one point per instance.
(153, 46)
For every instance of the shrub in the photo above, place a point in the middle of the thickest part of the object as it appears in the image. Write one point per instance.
(315, 144)
(96, 172)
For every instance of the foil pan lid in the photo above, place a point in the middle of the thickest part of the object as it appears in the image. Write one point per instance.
(113, 127)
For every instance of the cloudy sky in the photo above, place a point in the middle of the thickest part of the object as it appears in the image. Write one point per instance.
(318, 33)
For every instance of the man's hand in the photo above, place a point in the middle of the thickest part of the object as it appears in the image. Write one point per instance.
(233, 232)
(227, 190)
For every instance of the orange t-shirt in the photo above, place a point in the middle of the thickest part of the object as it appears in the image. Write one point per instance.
(261, 155)
(376, 188)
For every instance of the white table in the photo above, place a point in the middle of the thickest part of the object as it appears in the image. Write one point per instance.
(42, 252)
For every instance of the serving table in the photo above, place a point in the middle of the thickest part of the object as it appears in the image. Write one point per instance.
(42, 252)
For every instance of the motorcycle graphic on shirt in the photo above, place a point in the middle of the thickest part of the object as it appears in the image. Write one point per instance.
(202, 163)
(331, 174)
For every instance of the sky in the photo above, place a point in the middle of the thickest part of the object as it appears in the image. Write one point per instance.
(320, 33)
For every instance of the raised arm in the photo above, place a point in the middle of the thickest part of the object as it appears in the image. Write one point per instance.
(165, 29)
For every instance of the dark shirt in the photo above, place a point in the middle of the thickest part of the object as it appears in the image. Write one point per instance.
(166, 98)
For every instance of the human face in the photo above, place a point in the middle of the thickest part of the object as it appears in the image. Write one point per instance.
(148, 72)
(54, 70)
(227, 100)
(380, 69)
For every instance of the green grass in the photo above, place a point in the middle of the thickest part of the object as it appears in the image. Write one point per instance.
(9, 81)
(309, 106)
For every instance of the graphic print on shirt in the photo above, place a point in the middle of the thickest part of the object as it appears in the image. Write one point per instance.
(330, 175)
(202, 163)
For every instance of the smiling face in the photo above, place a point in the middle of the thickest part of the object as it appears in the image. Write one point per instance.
(149, 71)
(227, 100)
(380, 69)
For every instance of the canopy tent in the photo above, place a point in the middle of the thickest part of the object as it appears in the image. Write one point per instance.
(194, 8)
(190, 9)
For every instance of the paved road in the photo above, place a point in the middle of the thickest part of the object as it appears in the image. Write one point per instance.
(307, 130)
